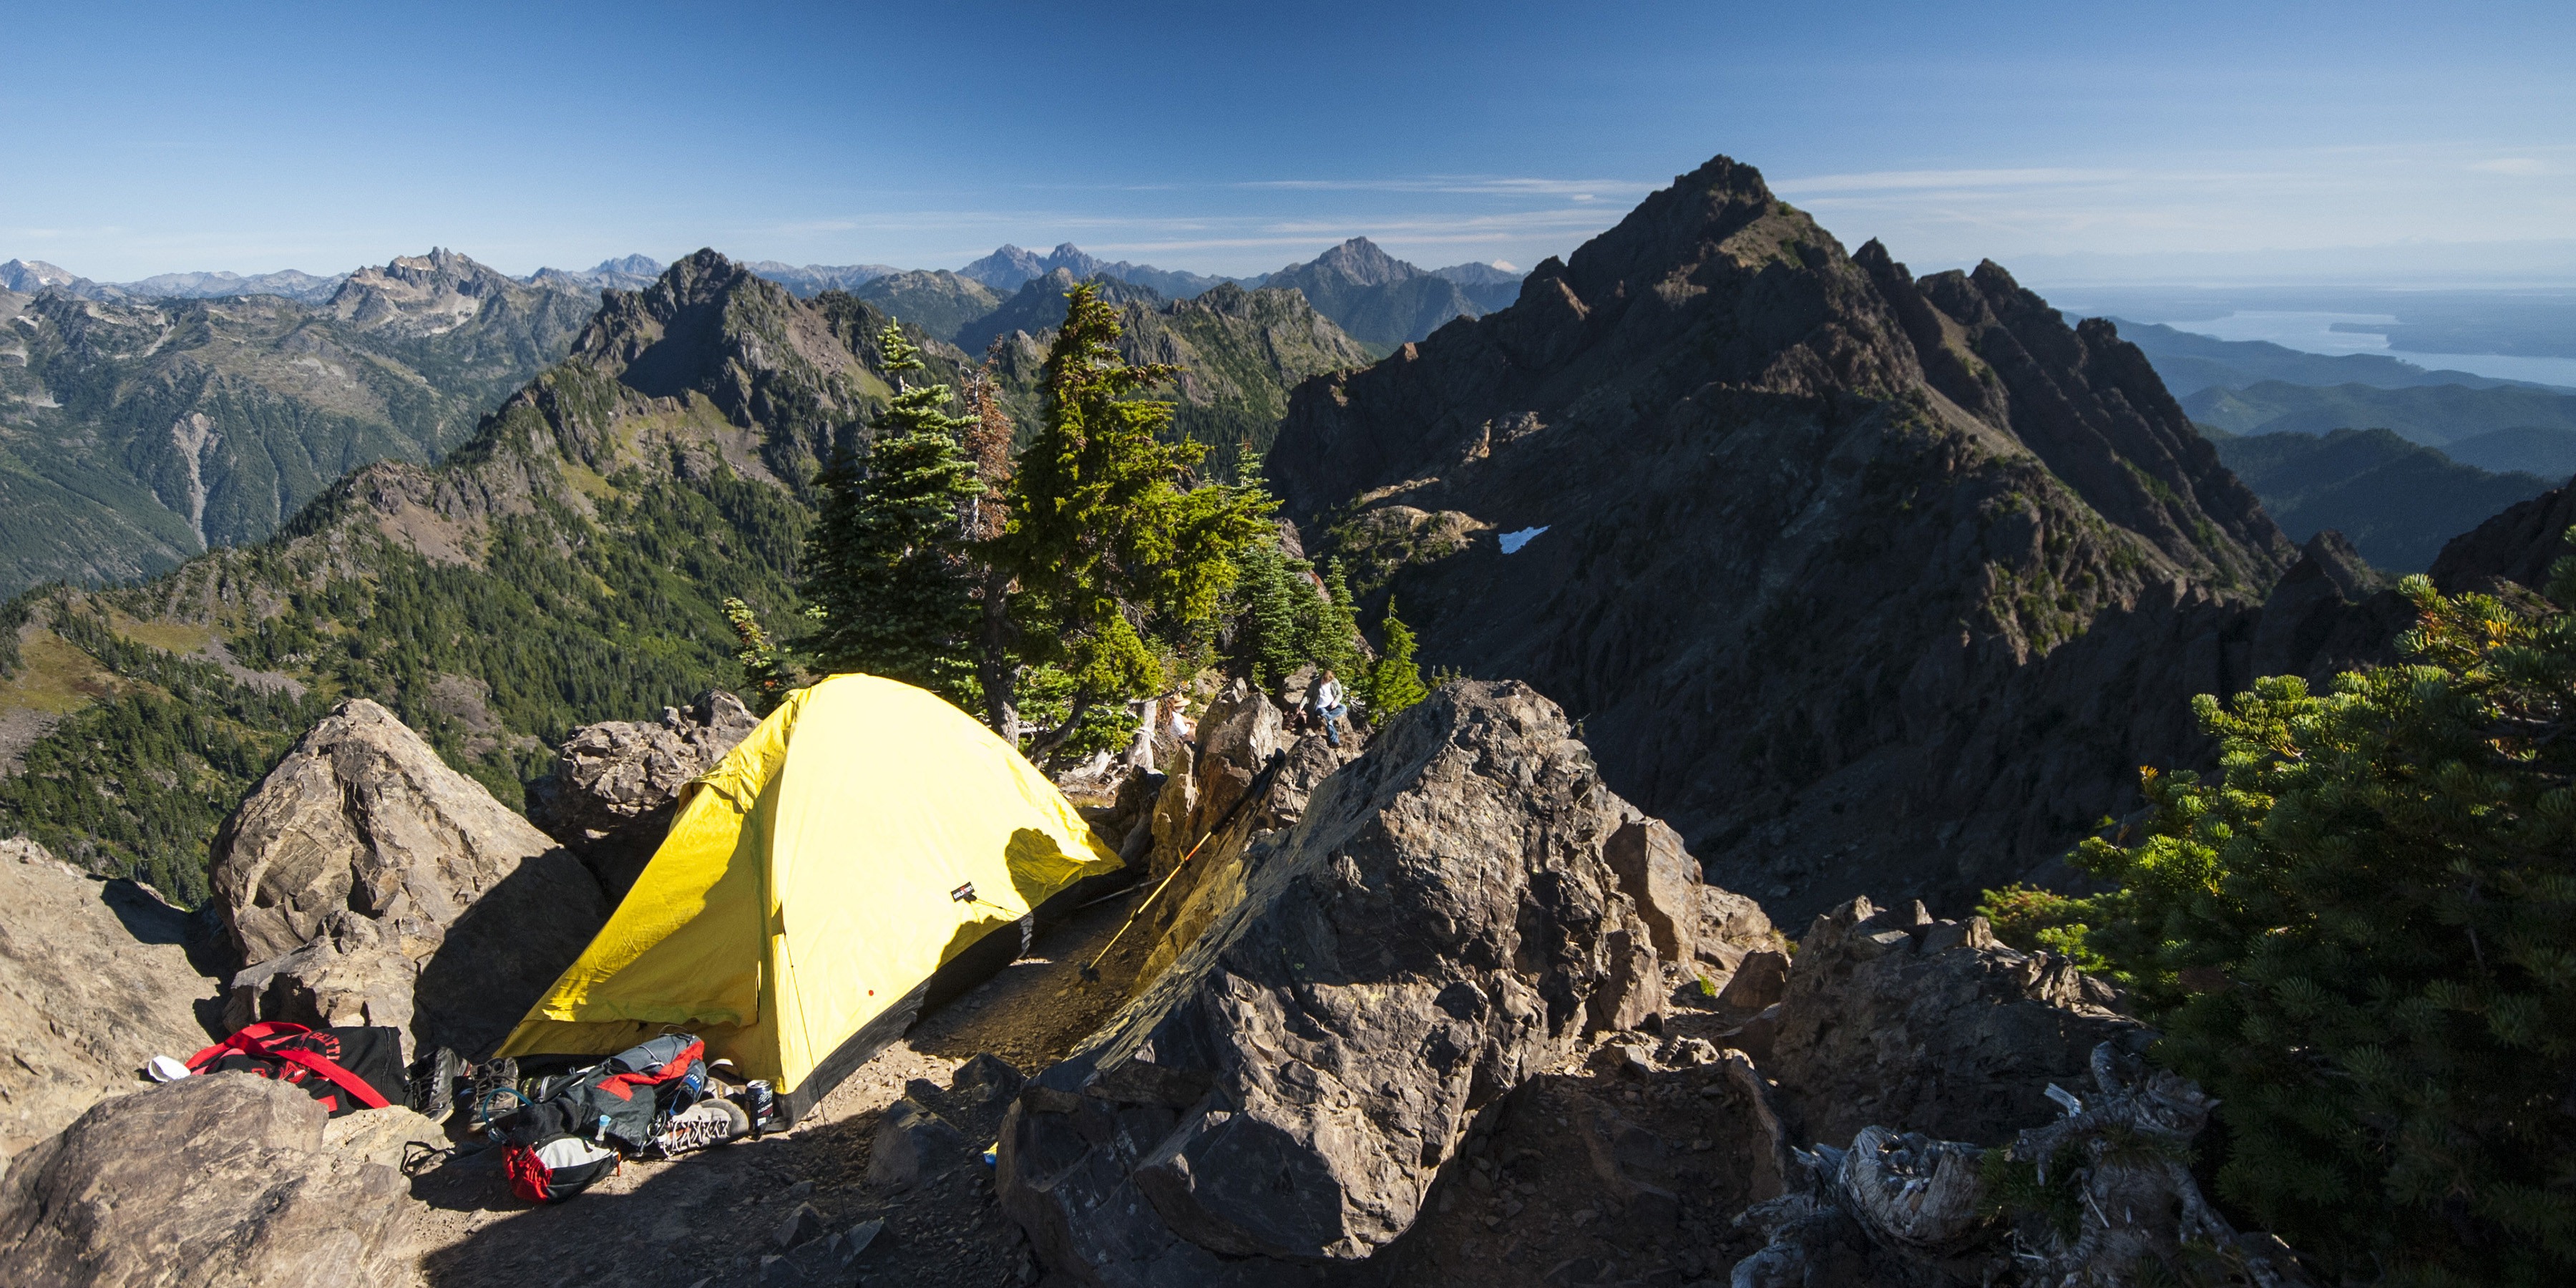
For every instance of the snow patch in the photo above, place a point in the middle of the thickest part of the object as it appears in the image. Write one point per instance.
(1513, 541)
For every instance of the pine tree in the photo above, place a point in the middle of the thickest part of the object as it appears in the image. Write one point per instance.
(888, 571)
(1332, 624)
(1119, 562)
(2362, 939)
(1395, 682)
(767, 672)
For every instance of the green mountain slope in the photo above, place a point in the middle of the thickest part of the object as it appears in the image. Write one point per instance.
(2547, 452)
(2396, 501)
(941, 303)
(2434, 415)
(134, 433)
(566, 565)
(1240, 353)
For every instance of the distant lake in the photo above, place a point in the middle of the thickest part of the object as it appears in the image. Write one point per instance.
(2315, 333)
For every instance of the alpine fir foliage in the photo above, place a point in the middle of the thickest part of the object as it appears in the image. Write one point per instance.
(890, 589)
(2362, 938)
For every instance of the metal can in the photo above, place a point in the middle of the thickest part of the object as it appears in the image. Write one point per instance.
(759, 1103)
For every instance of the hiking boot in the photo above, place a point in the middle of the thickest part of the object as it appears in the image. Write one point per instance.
(433, 1084)
(709, 1122)
(491, 1076)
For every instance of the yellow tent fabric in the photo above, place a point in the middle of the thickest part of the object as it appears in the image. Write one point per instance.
(808, 887)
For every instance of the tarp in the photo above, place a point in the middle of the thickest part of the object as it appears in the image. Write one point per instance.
(809, 887)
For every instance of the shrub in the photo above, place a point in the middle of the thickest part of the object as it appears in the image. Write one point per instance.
(2361, 936)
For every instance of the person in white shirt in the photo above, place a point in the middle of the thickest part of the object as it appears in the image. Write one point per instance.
(1329, 707)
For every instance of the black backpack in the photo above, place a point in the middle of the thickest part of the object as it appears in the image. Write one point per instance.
(346, 1069)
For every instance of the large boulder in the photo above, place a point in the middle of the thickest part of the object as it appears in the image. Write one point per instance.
(94, 980)
(617, 783)
(207, 1182)
(1441, 924)
(1894, 1018)
(365, 882)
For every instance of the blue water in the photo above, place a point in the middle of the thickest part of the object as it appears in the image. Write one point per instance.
(2315, 333)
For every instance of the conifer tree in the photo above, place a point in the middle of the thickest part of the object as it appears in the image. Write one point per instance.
(767, 672)
(888, 576)
(1395, 682)
(1119, 562)
(1332, 625)
(2362, 939)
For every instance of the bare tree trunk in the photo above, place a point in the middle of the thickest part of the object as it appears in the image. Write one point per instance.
(995, 668)
(1047, 742)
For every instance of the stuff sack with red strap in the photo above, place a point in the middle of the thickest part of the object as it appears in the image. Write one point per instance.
(347, 1069)
(621, 1101)
(556, 1168)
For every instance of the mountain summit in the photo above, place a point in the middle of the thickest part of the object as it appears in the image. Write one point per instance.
(1867, 582)
(1379, 299)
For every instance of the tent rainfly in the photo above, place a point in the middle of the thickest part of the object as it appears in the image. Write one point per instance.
(865, 834)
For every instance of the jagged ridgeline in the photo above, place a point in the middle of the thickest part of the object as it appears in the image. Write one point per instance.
(1864, 581)
(135, 433)
(565, 565)
(1240, 353)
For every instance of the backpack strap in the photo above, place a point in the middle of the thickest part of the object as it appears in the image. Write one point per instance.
(248, 1042)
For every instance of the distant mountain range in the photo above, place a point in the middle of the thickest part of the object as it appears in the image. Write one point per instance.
(1010, 268)
(2189, 362)
(135, 432)
(2396, 501)
(2434, 415)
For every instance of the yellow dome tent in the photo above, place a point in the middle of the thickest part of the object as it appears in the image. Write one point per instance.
(864, 835)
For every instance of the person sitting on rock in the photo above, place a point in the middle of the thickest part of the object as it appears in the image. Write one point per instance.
(1329, 706)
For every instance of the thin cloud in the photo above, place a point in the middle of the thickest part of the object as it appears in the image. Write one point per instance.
(2513, 165)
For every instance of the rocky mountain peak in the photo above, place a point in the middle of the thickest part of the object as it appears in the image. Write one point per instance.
(640, 265)
(1360, 261)
(28, 276)
(429, 294)
(1810, 544)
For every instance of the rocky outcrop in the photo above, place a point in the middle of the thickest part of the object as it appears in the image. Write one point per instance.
(1893, 1018)
(2330, 612)
(211, 1182)
(2518, 546)
(616, 783)
(1863, 582)
(95, 979)
(1441, 924)
(365, 882)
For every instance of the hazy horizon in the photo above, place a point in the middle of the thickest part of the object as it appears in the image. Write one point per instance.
(1234, 143)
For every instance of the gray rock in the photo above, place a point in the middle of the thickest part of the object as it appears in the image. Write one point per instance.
(1958, 1042)
(912, 1142)
(217, 1182)
(94, 980)
(1760, 979)
(801, 1226)
(615, 784)
(1439, 925)
(366, 882)
(1664, 880)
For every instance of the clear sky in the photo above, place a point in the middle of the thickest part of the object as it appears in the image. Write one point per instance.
(2082, 138)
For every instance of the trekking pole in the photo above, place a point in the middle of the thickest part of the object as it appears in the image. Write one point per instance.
(1259, 786)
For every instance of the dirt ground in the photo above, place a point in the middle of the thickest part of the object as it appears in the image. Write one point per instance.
(711, 1216)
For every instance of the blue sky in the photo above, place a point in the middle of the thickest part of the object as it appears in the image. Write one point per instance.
(2077, 140)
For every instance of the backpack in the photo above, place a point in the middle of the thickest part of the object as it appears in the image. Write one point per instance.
(556, 1168)
(346, 1069)
(621, 1101)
